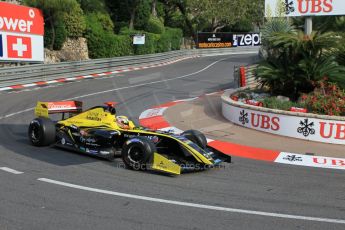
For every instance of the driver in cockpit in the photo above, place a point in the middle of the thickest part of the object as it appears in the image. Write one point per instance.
(122, 121)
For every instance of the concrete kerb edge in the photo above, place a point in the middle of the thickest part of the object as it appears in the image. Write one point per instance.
(262, 154)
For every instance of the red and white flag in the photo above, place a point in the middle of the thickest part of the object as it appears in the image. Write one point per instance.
(19, 47)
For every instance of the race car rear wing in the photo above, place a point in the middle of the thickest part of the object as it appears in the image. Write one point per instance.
(43, 109)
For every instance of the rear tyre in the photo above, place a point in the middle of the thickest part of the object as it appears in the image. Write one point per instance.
(136, 152)
(196, 136)
(42, 132)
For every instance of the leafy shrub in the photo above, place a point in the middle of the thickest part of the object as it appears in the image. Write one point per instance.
(163, 43)
(154, 25)
(158, 43)
(117, 45)
(60, 35)
(93, 6)
(48, 34)
(142, 16)
(244, 25)
(175, 36)
(75, 22)
(341, 54)
(126, 31)
(170, 40)
(274, 103)
(108, 45)
(327, 98)
(53, 12)
(151, 41)
(100, 22)
(102, 43)
(121, 26)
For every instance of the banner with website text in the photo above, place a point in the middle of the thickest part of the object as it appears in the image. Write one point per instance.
(227, 40)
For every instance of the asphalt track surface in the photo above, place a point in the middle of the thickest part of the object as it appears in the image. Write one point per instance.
(55, 189)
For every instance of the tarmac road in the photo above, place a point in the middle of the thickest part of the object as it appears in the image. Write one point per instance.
(47, 188)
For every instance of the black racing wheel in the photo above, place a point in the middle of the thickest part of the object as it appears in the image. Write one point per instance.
(196, 136)
(42, 132)
(136, 152)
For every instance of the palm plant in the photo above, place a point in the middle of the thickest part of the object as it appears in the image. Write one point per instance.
(296, 61)
(273, 26)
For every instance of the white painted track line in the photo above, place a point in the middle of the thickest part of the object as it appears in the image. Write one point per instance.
(121, 88)
(10, 170)
(193, 205)
(149, 83)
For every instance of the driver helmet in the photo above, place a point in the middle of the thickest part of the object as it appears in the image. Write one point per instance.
(122, 122)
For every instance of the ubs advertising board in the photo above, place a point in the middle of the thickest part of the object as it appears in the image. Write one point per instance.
(21, 33)
(227, 40)
(297, 8)
(305, 128)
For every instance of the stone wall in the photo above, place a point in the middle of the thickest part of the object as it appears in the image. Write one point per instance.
(74, 49)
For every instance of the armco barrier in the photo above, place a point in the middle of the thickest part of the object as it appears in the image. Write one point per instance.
(46, 72)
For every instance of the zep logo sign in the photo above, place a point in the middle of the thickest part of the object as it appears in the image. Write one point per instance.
(249, 39)
(21, 33)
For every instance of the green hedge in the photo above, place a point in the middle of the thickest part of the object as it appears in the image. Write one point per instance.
(60, 36)
(150, 46)
(156, 43)
(108, 45)
(75, 22)
(105, 44)
(99, 22)
(175, 36)
(155, 26)
(102, 43)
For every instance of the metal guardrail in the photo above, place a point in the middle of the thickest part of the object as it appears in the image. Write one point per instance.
(46, 72)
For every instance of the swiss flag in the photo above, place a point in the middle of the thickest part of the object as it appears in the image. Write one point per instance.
(19, 47)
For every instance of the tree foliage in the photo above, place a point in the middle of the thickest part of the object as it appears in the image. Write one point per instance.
(57, 14)
(152, 16)
(214, 15)
(75, 21)
(155, 26)
(135, 13)
(90, 6)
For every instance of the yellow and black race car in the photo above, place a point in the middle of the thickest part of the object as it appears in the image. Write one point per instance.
(99, 132)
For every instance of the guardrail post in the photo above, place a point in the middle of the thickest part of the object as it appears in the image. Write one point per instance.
(242, 76)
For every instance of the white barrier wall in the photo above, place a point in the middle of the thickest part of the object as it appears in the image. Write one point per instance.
(302, 127)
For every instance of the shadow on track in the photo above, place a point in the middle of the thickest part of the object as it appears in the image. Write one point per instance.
(14, 138)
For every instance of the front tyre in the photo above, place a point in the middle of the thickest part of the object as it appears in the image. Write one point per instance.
(196, 136)
(42, 132)
(136, 152)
